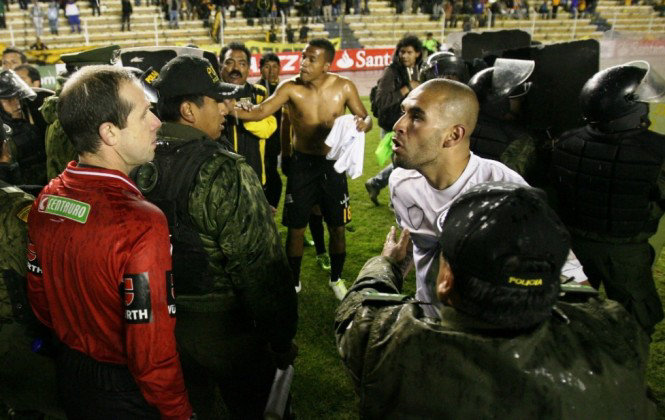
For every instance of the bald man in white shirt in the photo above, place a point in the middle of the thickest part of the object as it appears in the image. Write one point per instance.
(435, 166)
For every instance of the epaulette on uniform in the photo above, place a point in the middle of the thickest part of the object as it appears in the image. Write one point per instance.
(371, 298)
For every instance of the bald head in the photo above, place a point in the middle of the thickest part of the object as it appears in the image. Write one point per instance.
(456, 102)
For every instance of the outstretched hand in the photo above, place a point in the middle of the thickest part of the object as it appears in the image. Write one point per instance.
(396, 249)
(363, 124)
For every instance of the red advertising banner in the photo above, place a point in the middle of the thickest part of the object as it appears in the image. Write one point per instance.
(345, 60)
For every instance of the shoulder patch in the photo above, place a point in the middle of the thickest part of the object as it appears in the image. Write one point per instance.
(68, 208)
(135, 291)
(170, 294)
(24, 212)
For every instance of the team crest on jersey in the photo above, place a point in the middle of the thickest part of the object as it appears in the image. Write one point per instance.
(135, 291)
(416, 216)
(170, 294)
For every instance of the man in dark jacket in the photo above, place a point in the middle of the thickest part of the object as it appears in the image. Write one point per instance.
(504, 346)
(398, 79)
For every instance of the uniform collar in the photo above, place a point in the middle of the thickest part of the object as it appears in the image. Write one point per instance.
(460, 321)
(179, 131)
(456, 320)
(103, 175)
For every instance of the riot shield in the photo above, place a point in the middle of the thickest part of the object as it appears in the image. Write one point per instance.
(561, 70)
(492, 43)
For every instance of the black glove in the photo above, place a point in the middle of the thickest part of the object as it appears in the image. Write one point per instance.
(286, 165)
(284, 359)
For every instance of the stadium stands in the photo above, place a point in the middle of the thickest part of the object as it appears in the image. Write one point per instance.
(381, 28)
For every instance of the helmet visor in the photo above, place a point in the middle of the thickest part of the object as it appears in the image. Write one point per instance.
(510, 74)
(445, 66)
(652, 87)
(11, 85)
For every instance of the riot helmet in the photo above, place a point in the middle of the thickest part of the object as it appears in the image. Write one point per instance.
(616, 99)
(445, 65)
(496, 86)
(12, 86)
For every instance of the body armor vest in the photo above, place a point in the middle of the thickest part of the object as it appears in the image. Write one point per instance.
(167, 183)
(489, 140)
(607, 183)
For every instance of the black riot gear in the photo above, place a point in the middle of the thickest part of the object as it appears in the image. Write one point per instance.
(495, 86)
(616, 99)
(11, 86)
(445, 65)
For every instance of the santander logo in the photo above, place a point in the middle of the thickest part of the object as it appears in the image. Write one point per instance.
(345, 62)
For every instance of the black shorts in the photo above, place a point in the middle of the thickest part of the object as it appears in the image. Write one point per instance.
(313, 180)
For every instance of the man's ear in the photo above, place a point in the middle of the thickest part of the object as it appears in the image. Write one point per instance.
(187, 112)
(445, 280)
(326, 67)
(455, 136)
(109, 133)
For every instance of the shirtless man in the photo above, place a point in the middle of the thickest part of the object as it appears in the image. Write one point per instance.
(313, 100)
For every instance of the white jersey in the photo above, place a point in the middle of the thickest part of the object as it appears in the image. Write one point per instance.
(418, 205)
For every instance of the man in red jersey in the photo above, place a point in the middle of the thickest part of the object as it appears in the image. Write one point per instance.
(99, 264)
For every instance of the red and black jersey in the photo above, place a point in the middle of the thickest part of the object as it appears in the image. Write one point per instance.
(99, 275)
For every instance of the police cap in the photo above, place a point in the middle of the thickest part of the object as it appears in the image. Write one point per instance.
(504, 234)
(190, 75)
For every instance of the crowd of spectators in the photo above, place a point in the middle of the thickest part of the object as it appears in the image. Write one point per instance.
(476, 13)
(471, 13)
(269, 11)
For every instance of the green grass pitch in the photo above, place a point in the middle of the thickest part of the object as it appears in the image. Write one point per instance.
(321, 387)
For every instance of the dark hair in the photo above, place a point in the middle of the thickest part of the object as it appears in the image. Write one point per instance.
(235, 46)
(169, 109)
(326, 45)
(33, 73)
(90, 98)
(506, 307)
(269, 56)
(410, 41)
(10, 50)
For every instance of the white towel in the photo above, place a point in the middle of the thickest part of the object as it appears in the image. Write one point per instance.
(347, 146)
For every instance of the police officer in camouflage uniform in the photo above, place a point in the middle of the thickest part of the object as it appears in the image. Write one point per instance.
(236, 301)
(610, 180)
(500, 133)
(504, 346)
(27, 379)
(59, 150)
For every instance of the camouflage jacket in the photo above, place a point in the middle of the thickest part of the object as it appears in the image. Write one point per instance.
(230, 213)
(59, 150)
(588, 361)
(14, 208)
